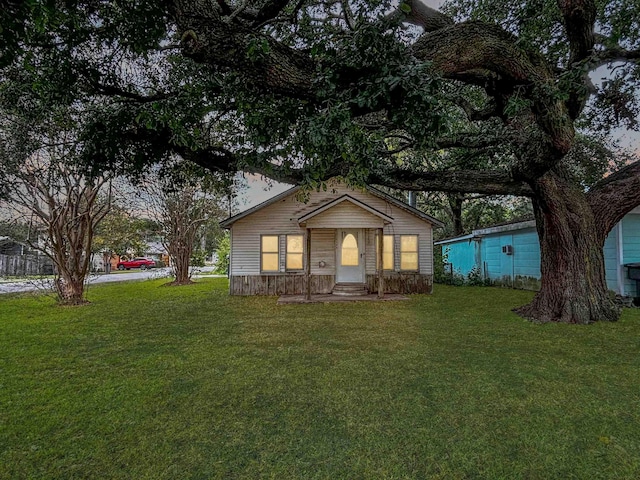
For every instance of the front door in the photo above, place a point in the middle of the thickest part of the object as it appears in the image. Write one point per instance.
(350, 256)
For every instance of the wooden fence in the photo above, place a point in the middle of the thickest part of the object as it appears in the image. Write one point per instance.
(22, 265)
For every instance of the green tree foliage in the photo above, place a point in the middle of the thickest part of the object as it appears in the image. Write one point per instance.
(302, 91)
(223, 253)
(16, 229)
(120, 233)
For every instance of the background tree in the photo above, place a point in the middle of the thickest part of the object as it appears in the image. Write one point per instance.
(119, 233)
(64, 206)
(302, 91)
(17, 229)
(462, 213)
(223, 252)
(183, 199)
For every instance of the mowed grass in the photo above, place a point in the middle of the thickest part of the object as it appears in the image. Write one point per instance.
(151, 382)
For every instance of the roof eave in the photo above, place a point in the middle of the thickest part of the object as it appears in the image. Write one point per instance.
(228, 222)
(345, 198)
(405, 206)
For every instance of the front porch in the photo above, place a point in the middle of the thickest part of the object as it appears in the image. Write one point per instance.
(352, 227)
(331, 298)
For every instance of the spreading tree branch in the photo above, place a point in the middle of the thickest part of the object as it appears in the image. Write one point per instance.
(613, 53)
(579, 19)
(615, 196)
(476, 53)
(453, 181)
(269, 11)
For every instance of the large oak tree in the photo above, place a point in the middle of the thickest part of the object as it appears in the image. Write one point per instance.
(302, 90)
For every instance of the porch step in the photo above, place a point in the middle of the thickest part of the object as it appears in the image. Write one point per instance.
(350, 289)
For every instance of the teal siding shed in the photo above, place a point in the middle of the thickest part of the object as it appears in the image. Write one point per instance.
(630, 248)
(611, 260)
(510, 254)
(461, 254)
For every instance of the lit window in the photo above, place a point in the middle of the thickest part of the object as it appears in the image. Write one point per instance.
(270, 253)
(408, 252)
(387, 253)
(294, 252)
(350, 254)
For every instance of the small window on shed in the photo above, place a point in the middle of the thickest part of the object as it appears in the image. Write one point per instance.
(295, 250)
(270, 253)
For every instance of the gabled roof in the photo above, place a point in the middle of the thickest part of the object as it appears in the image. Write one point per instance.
(373, 191)
(231, 220)
(345, 198)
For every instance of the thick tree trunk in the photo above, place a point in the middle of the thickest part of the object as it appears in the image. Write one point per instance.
(455, 202)
(181, 257)
(573, 288)
(70, 290)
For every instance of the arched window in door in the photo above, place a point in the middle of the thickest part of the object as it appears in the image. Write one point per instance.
(350, 254)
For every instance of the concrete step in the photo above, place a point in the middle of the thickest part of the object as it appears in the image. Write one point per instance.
(350, 289)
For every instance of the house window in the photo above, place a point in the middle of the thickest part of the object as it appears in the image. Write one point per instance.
(294, 252)
(269, 253)
(387, 253)
(408, 252)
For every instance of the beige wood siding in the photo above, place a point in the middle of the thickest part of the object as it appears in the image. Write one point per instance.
(345, 215)
(370, 251)
(323, 249)
(281, 218)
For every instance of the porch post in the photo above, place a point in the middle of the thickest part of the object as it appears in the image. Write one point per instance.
(307, 266)
(380, 262)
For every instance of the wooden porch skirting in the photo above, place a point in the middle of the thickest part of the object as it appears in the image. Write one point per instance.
(403, 283)
(287, 284)
(279, 284)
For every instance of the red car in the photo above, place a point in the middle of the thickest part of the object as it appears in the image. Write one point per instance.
(141, 263)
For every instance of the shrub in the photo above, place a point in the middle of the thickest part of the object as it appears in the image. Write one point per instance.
(474, 278)
(198, 258)
(223, 251)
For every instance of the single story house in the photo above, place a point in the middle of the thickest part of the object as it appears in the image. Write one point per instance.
(510, 254)
(331, 241)
(157, 251)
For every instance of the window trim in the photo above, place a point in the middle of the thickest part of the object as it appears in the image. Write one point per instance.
(262, 270)
(286, 252)
(393, 252)
(417, 252)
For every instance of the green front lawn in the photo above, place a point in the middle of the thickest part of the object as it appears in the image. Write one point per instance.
(171, 383)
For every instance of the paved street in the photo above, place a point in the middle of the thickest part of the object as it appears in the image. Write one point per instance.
(46, 284)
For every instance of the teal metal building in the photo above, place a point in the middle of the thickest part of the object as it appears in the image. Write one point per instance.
(510, 254)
